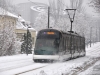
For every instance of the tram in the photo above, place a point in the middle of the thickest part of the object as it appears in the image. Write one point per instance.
(52, 44)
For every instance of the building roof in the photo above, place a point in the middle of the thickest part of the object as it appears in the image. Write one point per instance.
(21, 19)
(4, 12)
(22, 27)
(25, 28)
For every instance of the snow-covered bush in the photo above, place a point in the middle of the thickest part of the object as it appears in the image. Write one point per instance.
(17, 47)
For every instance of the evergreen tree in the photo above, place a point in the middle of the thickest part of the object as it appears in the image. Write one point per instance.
(23, 46)
(27, 44)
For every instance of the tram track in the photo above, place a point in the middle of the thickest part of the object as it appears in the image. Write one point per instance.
(30, 70)
(20, 67)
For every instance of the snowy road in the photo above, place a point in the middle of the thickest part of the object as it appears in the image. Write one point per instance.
(12, 65)
(18, 64)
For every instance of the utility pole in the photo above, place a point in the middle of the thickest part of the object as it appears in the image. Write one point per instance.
(27, 42)
(48, 15)
(90, 36)
(99, 34)
(96, 35)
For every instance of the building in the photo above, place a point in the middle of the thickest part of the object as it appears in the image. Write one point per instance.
(7, 20)
(7, 32)
(21, 29)
(11, 29)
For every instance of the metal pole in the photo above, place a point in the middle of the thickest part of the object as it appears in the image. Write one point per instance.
(90, 36)
(71, 26)
(99, 34)
(48, 15)
(96, 35)
(27, 43)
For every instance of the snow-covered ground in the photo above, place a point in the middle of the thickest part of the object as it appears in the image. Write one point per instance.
(12, 65)
(93, 70)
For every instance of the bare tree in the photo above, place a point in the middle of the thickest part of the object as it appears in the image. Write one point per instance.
(41, 21)
(95, 4)
(56, 9)
(83, 22)
(8, 6)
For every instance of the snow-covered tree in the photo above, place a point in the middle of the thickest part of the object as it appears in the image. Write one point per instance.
(7, 37)
(41, 21)
(95, 4)
(56, 9)
(23, 45)
(26, 46)
(8, 5)
(7, 31)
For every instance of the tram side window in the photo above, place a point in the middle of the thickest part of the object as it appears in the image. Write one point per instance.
(77, 42)
(72, 43)
(65, 43)
(61, 44)
(68, 43)
(83, 44)
(80, 43)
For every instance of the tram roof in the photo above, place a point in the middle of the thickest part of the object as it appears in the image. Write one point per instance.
(62, 32)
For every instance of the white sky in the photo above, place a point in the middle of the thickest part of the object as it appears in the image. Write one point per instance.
(40, 1)
(89, 10)
(21, 1)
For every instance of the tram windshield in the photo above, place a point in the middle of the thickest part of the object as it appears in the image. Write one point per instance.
(50, 43)
(46, 46)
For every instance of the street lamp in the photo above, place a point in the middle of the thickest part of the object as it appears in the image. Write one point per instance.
(90, 36)
(71, 16)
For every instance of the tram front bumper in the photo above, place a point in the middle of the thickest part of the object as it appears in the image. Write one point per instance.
(51, 57)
